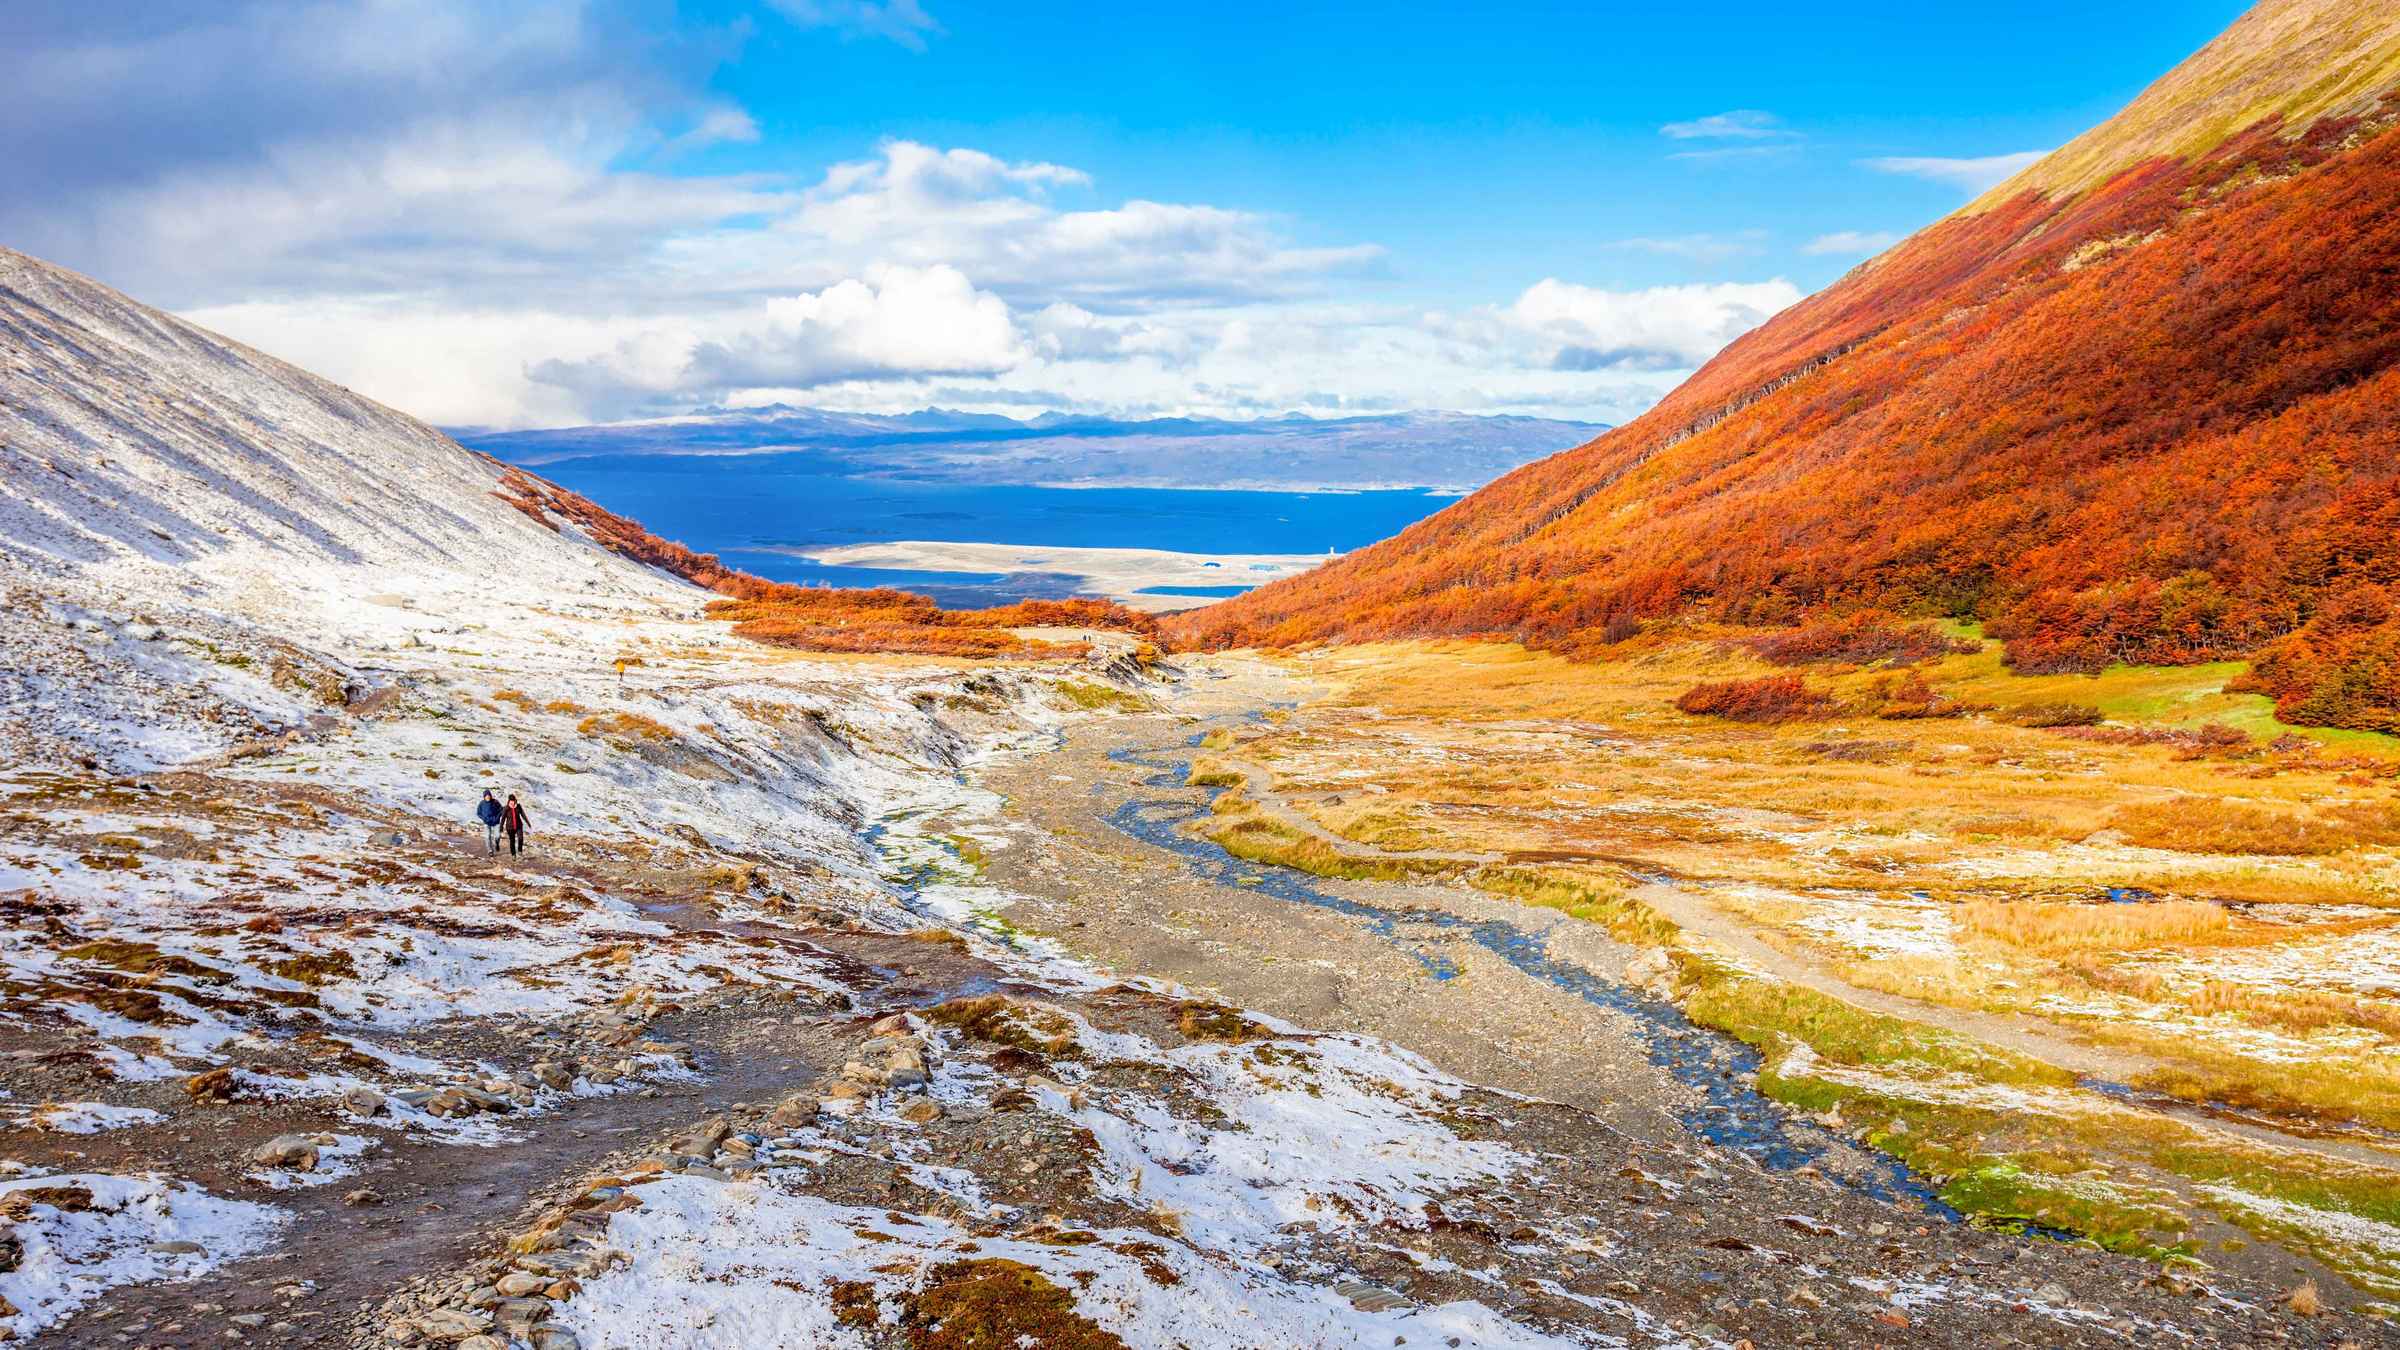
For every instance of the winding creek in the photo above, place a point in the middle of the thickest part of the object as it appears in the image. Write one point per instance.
(1719, 1070)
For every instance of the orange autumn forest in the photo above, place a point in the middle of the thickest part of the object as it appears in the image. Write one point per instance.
(2139, 404)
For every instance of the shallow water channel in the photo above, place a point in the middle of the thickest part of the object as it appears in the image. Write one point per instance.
(1718, 1069)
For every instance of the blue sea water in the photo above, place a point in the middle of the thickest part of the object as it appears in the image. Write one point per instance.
(748, 509)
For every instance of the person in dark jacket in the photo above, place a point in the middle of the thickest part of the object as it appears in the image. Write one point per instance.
(488, 811)
(512, 823)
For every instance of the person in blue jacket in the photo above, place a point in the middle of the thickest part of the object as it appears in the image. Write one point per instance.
(488, 811)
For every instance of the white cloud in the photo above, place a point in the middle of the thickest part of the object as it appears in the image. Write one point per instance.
(1850, 243)
(995, 220)
(1741, 124)
(1967, 175)
(901, 21)
(722, 124)
(1662, 327)
(477, 210)
(899, 321)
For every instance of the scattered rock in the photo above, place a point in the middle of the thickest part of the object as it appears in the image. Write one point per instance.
(297, 1152)
(214, 1087)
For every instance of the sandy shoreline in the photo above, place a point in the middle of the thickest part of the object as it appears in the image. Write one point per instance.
(1119, 573)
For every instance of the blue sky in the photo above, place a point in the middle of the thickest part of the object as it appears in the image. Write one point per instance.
(1477, 148)
(519, 213)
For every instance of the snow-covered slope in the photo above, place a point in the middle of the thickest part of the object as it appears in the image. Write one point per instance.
(137, 446)
(200, 543)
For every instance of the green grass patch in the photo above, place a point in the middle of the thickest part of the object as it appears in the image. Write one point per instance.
(1255, 838)
(1771, 1015)
(1213, 773)
(1997, 1186)
(1092, 696)
(1591, 899)
(968, 851)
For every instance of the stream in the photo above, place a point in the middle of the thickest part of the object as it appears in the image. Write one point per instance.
(1719, 1070)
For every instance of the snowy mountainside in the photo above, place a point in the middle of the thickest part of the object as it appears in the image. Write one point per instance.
(220, 536)
(136, 443)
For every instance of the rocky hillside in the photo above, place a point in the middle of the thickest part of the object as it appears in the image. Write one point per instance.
(2139, 404)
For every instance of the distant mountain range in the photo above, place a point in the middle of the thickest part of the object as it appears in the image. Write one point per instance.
(2139, 403)
(1440, 450)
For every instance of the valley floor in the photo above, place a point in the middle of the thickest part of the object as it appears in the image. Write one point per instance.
(877, 1002)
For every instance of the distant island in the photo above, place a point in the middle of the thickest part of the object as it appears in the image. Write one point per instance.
(1441, 451)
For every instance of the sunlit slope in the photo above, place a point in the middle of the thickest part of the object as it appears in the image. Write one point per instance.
(2158, 419)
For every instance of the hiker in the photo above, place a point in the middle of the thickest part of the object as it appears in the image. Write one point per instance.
(488, 811)
(512, 822)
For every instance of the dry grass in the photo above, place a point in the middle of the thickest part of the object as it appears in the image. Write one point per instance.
(2043, 926)
(1206, 772)
(2213, 825)
(1253, 837)
(625, 728)
(2299, 1011)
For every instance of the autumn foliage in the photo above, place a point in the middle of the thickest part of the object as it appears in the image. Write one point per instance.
(1769, 698)
(822, 619)
(2158, 421)
(1860, 638)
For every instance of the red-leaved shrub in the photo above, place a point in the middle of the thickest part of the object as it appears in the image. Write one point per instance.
(1770, 698)
(1858, 639)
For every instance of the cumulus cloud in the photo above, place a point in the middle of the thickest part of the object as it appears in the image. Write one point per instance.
(494, 212)
(1000, 222)
(1658, 328)
(195, 153)
(1850, 243)
(898, 322)
(1967, 175)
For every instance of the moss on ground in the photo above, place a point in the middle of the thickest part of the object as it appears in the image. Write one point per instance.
(1093, 696)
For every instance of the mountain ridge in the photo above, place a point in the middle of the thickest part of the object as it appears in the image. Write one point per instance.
(1436, 450)
(2130, 423)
